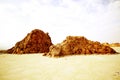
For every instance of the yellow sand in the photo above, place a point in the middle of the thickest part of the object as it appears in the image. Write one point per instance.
(79, 67)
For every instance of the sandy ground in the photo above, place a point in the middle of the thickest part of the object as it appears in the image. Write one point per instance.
(79, 67)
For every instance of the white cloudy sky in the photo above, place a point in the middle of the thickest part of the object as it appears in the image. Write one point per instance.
(98, 20)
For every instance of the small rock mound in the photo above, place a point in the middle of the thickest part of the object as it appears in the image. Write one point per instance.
(78, 45)
(35, 42)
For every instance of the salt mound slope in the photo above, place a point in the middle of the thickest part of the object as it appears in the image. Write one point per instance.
(35, 42)
(78, 45)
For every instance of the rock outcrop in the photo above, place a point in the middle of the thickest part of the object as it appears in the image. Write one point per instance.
(35, 42)
(75, 45)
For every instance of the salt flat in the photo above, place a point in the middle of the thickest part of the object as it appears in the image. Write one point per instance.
(79, 67)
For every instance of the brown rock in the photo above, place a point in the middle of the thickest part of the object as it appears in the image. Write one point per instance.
(74, 45)
(35, 42)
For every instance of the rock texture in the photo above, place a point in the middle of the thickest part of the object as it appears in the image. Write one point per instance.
(75, 45)
(35, 42)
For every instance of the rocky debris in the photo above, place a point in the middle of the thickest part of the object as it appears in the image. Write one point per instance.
(75, 45)
(35, 42)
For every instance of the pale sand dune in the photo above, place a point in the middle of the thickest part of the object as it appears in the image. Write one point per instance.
(38, 67)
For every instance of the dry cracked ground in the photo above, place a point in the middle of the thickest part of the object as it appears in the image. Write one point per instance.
(77, 67)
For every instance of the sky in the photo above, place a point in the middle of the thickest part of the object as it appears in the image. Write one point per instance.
(97, 20)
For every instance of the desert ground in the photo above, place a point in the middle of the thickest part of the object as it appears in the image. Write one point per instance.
(77, 67)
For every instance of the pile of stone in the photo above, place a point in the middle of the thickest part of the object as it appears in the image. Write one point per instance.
(39, 42)
(75, 45)
(35, 42)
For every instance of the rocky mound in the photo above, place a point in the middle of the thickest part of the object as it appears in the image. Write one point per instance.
(78, 45)
(35, 42)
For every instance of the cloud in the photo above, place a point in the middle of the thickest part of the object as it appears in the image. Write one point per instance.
(95, 19)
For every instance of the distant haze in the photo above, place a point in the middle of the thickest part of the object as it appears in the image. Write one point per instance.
(97, 20)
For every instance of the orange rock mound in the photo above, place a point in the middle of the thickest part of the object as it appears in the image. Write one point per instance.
(35, 42)
(78, 45)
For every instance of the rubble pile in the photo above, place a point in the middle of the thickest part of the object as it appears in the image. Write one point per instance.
(35, 42)
(75, 45)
